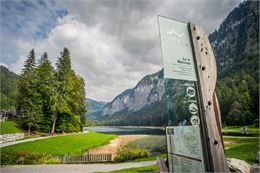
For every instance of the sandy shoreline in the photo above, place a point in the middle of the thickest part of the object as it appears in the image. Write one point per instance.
(115, 144)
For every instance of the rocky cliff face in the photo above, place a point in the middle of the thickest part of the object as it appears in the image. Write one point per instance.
(147, 91)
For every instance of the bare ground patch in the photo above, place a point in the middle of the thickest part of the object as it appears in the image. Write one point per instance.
(229, 142)
(115, 144)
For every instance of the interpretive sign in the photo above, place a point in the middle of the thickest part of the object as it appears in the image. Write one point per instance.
(184, 149)
(176, 50)
(194, 141)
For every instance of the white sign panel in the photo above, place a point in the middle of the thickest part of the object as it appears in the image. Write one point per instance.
(176, 50)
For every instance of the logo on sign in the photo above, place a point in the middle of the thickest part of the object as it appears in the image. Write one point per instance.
(175, 33)
(194, 120)
(178, 37)
(193, 108)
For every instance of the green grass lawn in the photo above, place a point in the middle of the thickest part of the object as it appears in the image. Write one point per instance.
(152, 168)
(244, 148)
(9, 127)
(74, 144)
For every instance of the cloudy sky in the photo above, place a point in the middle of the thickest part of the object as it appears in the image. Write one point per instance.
(113, 43)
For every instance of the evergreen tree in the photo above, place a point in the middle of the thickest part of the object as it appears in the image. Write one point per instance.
(28, 102)
(48, 100)
(71, 95)
(46, 90)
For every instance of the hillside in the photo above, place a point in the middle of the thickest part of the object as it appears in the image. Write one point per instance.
(8, 89)
(236, 45)
(237, 37)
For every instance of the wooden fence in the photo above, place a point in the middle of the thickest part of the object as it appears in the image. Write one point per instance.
(90, 158)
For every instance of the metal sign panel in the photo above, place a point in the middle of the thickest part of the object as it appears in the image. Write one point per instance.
(176, 50)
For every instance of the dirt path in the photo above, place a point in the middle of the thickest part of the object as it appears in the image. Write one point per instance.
(115, 144)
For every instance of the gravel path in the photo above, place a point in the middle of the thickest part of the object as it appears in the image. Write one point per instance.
(22, 141)
(72, 168)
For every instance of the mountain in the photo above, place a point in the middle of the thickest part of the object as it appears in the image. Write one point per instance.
(237, 36)
(94, 106)
(236, 46)
(138, 104)
(8, 88)
(147, 91)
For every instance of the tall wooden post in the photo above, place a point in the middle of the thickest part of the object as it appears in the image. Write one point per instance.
(207, 74)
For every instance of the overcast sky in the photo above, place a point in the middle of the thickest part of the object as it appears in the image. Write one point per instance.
(113, 43)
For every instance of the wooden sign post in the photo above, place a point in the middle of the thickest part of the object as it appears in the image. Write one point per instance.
(194, 140)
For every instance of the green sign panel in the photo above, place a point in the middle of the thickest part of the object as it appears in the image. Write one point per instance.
(176, 50)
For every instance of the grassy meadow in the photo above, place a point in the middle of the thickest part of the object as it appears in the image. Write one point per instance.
(46, 150)
(243, 148)
(74, 144)
(8, 127)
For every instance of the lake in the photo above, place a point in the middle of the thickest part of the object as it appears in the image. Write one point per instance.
(127, 130)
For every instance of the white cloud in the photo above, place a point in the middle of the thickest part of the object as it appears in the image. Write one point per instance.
(114, 43)
(95, 55)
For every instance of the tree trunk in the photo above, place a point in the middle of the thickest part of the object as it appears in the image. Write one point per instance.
(29, 129)
(53, 124)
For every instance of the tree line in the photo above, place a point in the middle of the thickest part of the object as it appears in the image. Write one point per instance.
(49, 99)
(238, 92)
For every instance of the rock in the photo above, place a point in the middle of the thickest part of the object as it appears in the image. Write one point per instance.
(255, 168)
(11, 137)
(237, 165)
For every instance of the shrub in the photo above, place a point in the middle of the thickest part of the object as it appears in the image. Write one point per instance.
(12, 158)
(131, 152)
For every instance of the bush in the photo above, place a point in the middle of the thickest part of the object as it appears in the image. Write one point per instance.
(131, 152)
(13, 158)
